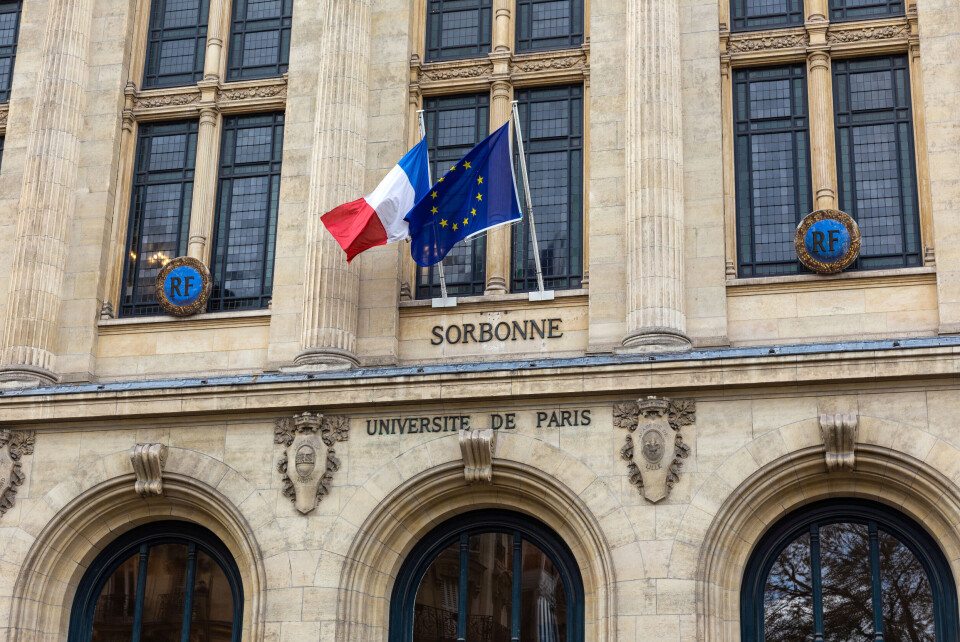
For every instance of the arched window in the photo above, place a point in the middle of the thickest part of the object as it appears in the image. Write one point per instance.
(839, 570)
(488, 576)
(162, 581)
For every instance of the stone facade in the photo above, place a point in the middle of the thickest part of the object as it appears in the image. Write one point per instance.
(799, 388)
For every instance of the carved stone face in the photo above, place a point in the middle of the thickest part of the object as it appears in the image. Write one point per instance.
(652, 446)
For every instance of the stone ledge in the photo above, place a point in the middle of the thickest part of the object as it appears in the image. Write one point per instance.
(842, 281)
(207, 321)
(492, 303)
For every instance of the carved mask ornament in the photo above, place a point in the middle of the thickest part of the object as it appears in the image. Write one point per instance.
(14, 444)
(654, 447)
(309, 461)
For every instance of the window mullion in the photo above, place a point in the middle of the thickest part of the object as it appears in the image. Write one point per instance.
(462, 590)
(875, 581)
(141, 589)
(817, 586)
(188, 593)
(205, 185)
(217, 26)
(517, 576)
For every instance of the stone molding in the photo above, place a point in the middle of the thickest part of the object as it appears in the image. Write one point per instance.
(14, 444)
(839, 433)
(148, 461)
(654, 472)
(840, 34)
(234, 97)
(309, 437)
(766, 42)
(477, 448)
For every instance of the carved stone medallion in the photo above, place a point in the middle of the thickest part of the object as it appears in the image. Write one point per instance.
(14, 444)
(653, 427)
(309, 459)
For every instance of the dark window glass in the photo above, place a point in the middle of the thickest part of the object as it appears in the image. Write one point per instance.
(176, 42)
(543, 602)
(772, 157)
(212, 619)
(549, 24)
(841, 10)
(248, 196)
(260, 38)
(166, 591)
(9, 34)
(454, 125)
(458, 28)
(875, 159)
(116, 606)
(841, 572)
(159, 211)
(552, 124)
(765, 14)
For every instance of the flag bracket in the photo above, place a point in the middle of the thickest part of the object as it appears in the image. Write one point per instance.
(541, 295)
(443, 301)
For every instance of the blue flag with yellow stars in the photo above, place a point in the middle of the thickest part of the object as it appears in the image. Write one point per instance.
(475, 194)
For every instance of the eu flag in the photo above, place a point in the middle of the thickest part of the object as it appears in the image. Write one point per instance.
(475, 194)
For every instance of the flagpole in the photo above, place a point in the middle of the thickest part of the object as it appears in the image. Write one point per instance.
(444, 300)
(541, 295)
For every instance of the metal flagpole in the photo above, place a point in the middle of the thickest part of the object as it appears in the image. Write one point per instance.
(444, 302)
(541, 295)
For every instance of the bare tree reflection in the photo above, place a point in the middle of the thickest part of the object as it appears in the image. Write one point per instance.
(788, 595)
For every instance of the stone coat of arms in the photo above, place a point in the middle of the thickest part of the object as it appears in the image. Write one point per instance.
(14, 444)
(654, 446)
(309, 460)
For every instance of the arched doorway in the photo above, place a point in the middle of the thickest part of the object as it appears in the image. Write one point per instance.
(162, 581)
(488, 576)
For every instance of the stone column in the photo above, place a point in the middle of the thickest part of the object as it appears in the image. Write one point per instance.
(823, 166)
(655, 296)
(329, 320)
(47, 197)
(205, 185)
(215, 31)
(498, 239)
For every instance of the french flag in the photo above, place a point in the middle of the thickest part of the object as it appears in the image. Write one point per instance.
(377, 218)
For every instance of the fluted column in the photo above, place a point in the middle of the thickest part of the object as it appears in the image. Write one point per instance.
(204, 186)
(329, 321)
(215, 28)
(47, 197)
(498, 239)
(655, 307)
(823, 167)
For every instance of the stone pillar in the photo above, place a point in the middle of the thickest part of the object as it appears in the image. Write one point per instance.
(501, 27)
(329, 320)
(47, 197)
(656, 318)
(498, 239)
(204, 185)
(823, 166)
(215, 28)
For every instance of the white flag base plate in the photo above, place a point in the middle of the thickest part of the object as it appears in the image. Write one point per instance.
(537, 295)
(449, 302)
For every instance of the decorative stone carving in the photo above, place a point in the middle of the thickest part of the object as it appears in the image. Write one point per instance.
(477, 447)
(14, 444)
(244, 93)
(168, 100)
(456, 73)
(576, 61)
(309, 460)
(868, 33)
(656, 456)
(4, 114)
(839, 433)
(148, 461)
(767, 43)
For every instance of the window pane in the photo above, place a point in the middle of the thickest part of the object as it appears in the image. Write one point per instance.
(454, 125)
(113, 615)
(435, 611)
(764, 14)
(549, 24)
(490, 587)
(177, 43)
(788, 595)
(260, 38)
(165, 593)
(249, 194)
(9, 33)
(543, 601)
(212, 603)
(907, 598)
(847, 584)
(551, 121)
(458, 28)
(860, 9)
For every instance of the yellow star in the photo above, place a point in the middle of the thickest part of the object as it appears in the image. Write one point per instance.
(454, 227)
(479, 197)
(434, 195)
(440, 180)
(433, 210)
(466, 165)
(453, 168)
(466, 221)
(473, 212)
(479, 180)
(443, 222)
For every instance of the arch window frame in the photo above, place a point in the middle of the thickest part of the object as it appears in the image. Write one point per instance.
(136, 542)
(460, 529)
(920, 543)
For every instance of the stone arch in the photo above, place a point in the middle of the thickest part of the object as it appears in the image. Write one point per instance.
(429, 498)
(913, 483)
(72, 523)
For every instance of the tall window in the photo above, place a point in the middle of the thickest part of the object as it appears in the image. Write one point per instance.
(260, 38)
(765, 14)
(549, 24)
(552, 124)
(860, 9)
(249, 193)
(875, 158)
(848, 571)
(159, 582)
(9, 35)
(488, 575)
(772, 153)
(160, 209)
(177, 42)
(454, 125)
(458, 28)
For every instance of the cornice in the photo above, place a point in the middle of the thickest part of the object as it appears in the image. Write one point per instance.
(236, 97)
